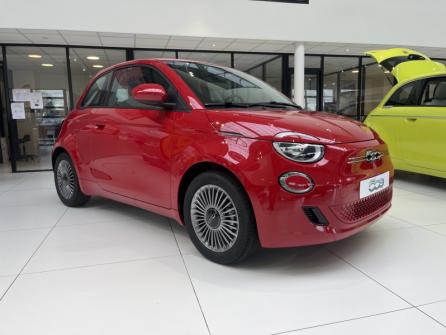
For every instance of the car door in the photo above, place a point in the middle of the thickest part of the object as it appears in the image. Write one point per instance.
(393, 121)
(85, 125)
(131, 147)
(426, 125)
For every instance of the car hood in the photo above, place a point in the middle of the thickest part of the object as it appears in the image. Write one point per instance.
(314, 127)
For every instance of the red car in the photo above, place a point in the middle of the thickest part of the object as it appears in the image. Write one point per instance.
(224, 154)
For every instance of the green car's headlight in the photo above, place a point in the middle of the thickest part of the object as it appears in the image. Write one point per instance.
(300, 152)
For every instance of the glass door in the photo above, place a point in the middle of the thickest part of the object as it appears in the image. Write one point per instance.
(312, 89)
(38, 91)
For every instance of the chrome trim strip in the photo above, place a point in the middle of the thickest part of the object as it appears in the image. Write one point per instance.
(285, 176)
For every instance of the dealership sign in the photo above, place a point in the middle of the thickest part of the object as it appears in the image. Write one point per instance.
(288, 1)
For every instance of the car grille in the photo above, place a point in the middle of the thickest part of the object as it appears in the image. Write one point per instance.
(355, 211)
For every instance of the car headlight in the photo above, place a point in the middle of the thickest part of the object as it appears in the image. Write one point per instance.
(300, 152)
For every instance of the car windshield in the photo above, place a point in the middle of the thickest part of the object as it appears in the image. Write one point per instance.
(221, 87)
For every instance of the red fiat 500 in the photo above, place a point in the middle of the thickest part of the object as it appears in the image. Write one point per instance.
(224, 154)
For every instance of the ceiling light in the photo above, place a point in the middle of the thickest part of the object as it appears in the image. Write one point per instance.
(387, 71)
(93, 57)
(98, 66)
(214, 45)
(47, 65)
(347, 50)
(355, 71)
(34, 56)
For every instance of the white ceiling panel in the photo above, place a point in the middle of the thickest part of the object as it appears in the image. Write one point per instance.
(45, 38)
(83, 40)
(183, 44)
(128, 42)
(150, 43)
(13, 38)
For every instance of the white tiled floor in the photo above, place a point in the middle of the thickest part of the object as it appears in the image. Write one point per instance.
(109, 268)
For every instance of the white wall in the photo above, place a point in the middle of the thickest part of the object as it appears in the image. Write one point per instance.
(399, 22)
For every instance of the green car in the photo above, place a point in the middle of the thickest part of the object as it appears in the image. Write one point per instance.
(411, 118)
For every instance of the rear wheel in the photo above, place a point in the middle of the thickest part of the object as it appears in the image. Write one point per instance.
(219, 218)
(67, 183)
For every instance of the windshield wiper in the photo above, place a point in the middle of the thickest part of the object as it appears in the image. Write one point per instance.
(227, 104)
(276, 104)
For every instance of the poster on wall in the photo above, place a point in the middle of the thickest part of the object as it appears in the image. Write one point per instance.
(18, 110)
(21, 94)
(36, 100)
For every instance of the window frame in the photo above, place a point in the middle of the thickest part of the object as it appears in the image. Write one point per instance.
(107, 87)
(181, 105)
(418, 84)
(425, 83)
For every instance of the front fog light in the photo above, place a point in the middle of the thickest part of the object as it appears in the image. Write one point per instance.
(296, 182)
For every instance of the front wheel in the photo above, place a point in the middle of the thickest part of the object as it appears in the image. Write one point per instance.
(219, 218)
(67, 182)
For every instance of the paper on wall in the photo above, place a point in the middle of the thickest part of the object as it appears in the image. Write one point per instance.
(21, 94)
(18, 110)
(36, 100)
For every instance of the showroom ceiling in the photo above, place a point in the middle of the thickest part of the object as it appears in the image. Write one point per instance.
(37, 36)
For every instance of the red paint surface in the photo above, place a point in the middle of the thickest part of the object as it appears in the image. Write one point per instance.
(139, 156)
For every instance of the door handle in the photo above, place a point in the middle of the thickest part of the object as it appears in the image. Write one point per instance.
(411, 119)
(100, 126)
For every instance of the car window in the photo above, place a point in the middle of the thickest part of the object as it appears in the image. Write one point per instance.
(405, 96)
(434, 93)
(97, 91)
(126, 79)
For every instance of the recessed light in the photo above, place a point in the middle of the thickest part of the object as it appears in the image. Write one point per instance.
(347, 50)
(93, 57)
(47, 65)
(214, 45)
(34, 56)
(355, 71)
(98, 66)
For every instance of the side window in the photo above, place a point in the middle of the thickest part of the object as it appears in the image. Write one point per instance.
(126, 79)
(434, 93)
(405, 96)
(97, 91)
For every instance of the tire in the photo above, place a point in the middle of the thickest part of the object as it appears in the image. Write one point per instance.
(67, 183)
(223, 230)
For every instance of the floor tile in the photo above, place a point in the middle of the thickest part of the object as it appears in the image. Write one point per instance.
(16, 247)
(279, 290)
(105, 242)
(5, 282)
(407, 322)
(29, 217)
(389, 222)
(36, 180)
(410, 262)
(420, 210)
(42, 197)
(184, 242)
(438, 228)
(8, 181)
(143, 297)
(437, 311)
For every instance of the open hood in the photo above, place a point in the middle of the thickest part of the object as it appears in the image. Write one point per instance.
(315, 127)
(406, 64)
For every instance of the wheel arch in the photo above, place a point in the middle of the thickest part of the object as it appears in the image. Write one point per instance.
(195, 170)
(57, 151)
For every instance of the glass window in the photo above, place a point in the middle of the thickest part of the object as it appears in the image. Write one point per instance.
(223, 59)
(42, 72)
(265, 67)
(97, 91)
(147, 54)
(125, 80)
(341, 85)
(434, 93)
(312, 72)
(405, 96)
(378, 83)
(86, 62)
(224, 87)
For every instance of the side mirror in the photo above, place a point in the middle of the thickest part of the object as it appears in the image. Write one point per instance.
(150, 94)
